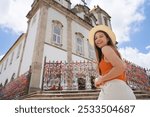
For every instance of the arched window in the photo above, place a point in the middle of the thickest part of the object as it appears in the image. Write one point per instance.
(91, 51)
(105, 21)
(11, 60)
(79, 44)
(57, 33)
(6, 81)
(12, 77)
(18, 53)
(6, 64)
(1, 68)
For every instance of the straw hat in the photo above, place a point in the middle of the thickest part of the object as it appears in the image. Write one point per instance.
(101, 28)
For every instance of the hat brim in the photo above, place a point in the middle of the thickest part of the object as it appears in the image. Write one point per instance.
(101, 28)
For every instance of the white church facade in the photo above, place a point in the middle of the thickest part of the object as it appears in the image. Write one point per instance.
(55, 31)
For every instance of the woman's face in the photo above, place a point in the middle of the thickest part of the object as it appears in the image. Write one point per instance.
(100, 39)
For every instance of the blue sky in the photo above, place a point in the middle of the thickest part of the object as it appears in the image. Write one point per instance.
(141, 39)
(6, 40)
(130, 21)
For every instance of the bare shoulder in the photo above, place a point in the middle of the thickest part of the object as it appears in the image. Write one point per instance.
(109, 52)
(111, 56)
(107, 49)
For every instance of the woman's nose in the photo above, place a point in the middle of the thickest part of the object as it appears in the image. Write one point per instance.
(99, 40)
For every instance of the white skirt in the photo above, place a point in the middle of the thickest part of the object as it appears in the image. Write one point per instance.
(116, 90)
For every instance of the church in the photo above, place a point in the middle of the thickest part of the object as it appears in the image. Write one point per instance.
(55, 31)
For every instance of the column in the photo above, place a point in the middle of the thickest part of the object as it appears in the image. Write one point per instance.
(37, 59)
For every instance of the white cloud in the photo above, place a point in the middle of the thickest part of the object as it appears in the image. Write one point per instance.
(135, 56)
(124, 13)
(13, 14)
(1, 56)
(148, 47)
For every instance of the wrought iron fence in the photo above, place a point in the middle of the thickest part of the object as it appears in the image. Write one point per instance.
(58, 75)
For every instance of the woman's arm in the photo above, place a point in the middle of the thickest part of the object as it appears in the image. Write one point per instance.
(118, 65)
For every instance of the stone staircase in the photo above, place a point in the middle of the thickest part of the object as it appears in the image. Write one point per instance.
(142, 95)
(63, 95)
(75, 95)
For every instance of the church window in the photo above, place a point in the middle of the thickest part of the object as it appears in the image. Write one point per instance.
(12, 77)
(11, 60)
(19, 49)
(79, 44)
(105, 21)
(57, 33)
(6, 81)
(91, 51)
(1, 68)
(6, 64)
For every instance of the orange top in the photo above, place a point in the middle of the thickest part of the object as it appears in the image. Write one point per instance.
(105, 67)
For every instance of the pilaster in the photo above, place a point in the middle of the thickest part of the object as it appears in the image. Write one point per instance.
(69, 49)
(37, 59)
(69, 40)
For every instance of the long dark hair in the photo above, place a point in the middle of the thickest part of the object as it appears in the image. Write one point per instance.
(110, 43)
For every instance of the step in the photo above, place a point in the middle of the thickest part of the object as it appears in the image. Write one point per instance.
(66, 94)
(63, 98)
(140, 92)
(70, 91)
(63, 93)
(142, 96)
(75, 95)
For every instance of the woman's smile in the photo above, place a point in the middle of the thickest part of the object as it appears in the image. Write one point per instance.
(100, 39)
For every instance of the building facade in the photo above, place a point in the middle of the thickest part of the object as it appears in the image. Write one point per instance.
(55, 31)
(10, 64)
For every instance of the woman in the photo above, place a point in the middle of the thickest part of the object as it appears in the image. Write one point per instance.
(112, 79)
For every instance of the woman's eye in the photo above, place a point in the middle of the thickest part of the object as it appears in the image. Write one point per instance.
(100, 36)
